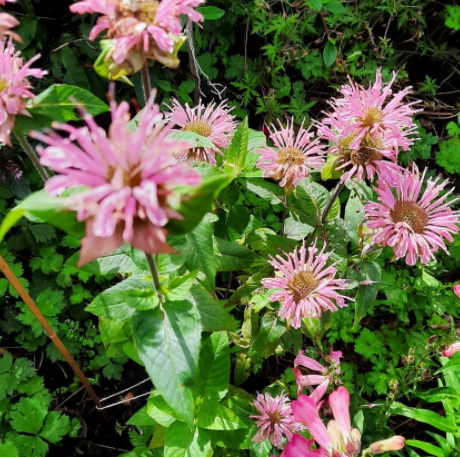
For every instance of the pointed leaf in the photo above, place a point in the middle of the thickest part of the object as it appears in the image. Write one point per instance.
(236, 154)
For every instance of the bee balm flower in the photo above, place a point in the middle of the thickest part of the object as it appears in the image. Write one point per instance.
(14, 87)
(127, 178)
(413, 224)
(304, 285)
(213, 122)
(296, 155)
(7, 22)
(149, 27)
(275, 419)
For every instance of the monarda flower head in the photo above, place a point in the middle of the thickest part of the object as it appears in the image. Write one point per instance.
(412, 222)
(375, 112)
(275, 420)
(141, 29)
(15, 88)
(212, 121)
(127, 179)
(305, 285)
(295, 157)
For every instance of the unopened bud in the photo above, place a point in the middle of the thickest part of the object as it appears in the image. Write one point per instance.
(410, 359)
(432, 339)
(394, 384)
(426, 375)
(356, 437)
(396, 443)
(451, 350)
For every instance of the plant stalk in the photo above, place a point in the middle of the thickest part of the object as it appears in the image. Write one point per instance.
(283, 217)
(192, 65)
(155, 274)
(32, 155)
(48, 329)
(146, 82)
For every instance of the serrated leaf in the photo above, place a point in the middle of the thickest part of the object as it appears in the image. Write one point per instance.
(55, 428)
(43, 233)
(232, 257)
(236, 153)
(266, 190)
(366, 295)
(335, 7)
(214, 416)
(28, 416)
(168, 342)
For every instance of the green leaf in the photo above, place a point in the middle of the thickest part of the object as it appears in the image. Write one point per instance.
(75, 74)
(28, 416)
(366, 295)
(57, 104)
(214, 367)
(439, 394)
(197, 201)
(232, 256)
(168, 342)
(40, 207)
(425, 416)
(179, 287)
(329, 170)
(8, 449)
(330, 53)
(121, 301)
(335, 7)
(354, 215)
(30, 446)
(236, 154)
(266, 190)
(214, 317)
(211, 13)
(182, 441)
(317, 4)
(141, 418)
(195, 140)
(427, 447)
(214, 416)
(268, 338)
(160, 411)
(56, 427)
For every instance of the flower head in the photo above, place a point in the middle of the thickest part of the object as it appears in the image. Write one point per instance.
(451, 350)
(275, 419)
(8, 167)
(305, 285)
(296, 155)
(321, 380)
(127, 178)
(213, 122)
(15, 89)
(457, 290)
(149, 27)
(414, 224)
(374, 112)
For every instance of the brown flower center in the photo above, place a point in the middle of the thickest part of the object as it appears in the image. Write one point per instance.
(412, 214)
(302, 285)
(372, 116)
(290, 156)
(131, 178)
(199, 127)
(142, 10)
(275, 417)
(367, 153)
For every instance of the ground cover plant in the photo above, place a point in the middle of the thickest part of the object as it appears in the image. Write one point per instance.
(229, 228)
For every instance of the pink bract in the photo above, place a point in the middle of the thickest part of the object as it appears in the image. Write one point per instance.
(128, 179)
(321, 380)
(212, 121)
(147, 26)
(275, 420)
(451, 350)
(375, 111)
(15, 89)
(304, 285)
(457, 290)
(413, 223)
(296, 155)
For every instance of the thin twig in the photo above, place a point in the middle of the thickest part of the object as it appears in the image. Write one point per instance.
(32, 155)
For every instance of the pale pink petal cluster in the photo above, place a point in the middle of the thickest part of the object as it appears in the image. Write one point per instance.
(127, 178)
(321, 380)
(15, 88)
(147, 26)
(451, 350)
(275, 420)
(338, 439)
(215, 122)
(8, 22)
(368, 127)
(305, 285)
(412, 222)
(295, 156)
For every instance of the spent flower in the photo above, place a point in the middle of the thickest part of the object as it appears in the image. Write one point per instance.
(127, 179)
(449, 351)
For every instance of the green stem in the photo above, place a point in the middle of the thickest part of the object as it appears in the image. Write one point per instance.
(32, 155)
(283, 217)
(146, 82)
(155, 275)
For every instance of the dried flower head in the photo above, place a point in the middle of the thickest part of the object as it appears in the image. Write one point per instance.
(211, 121)
(275, 420)
(8, 167)
(414, 224)
(128, 175)
(296, 155)
(304, 285)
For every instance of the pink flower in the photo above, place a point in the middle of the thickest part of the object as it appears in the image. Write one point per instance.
(395, 443)
(14, 87)
(8, 22)
(374, 112)
(299, 446)
(413, 225)
(339, 439)
(213, 122)
(275, 419)
(295, 156)
(305, 286)
(127, 177)
(457, 290)
(451, 350)
(322, 380)
(4, 2)
(147, 26)
(372, 156)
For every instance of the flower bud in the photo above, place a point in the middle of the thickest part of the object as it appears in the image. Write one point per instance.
(451, 350)
(395, 443)
(457, 290)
